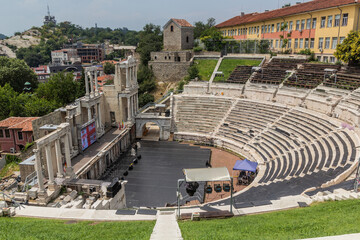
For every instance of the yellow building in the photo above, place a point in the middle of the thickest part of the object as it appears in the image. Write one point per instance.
(318, 25)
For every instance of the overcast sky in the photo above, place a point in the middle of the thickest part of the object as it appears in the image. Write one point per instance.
(20, 15)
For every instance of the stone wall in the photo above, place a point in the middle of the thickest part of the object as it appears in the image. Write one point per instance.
(171, 56)
(54, 118)
(187, 38)
(170, 72)
(172, 39)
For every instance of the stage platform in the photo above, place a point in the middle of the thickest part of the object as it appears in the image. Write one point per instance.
(153, 180)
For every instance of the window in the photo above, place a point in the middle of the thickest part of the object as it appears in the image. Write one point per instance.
(321, 43)
(262, 29)
(271, 43)
(20, 135)
(337, 20)
(329, 22)
(296, 43)
(306, 43)
(308, 23)
(341, 40)
(258, 29)
(7, 133)
(334, 42)
(313, 23)
(289, 43)
(301, 45)
(286, 26)
(172, 28)
(272, 28)
(332, 59)
(327, 43)
(269, 28)
(276, 43)
(278, 27)
(297, 25)
(345, 19)
(312, 43)
(325, 59)
(318, 58)
(281, 44)
(302, 24)
(290, 25)
(187, 39)
(1, 133)
(322, 23)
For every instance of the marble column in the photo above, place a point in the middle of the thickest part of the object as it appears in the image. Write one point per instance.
(69, 170)
(60, 172)
(38, 169)
(129, 111)
(49, 163)
(99, 115)
(89, 114)
(91, 84)
(87, 84)
(96, 83)
(127, 78)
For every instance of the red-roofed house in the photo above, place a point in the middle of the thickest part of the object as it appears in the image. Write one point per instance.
(178, 35)
(43, 73)
(15, 132)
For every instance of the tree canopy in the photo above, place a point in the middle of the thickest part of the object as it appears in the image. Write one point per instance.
(151, 40)
(16, 73)
(109, 68)
(201, 27)
(349, 50)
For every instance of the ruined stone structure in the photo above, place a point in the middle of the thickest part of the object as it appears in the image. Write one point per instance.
(122, 97)
(178, 35)
(171, 64)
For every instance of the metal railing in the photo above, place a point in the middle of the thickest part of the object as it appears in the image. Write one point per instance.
(151, 104)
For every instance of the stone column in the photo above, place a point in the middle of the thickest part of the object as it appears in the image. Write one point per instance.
(127, 77)
(69, 170)
(91, 84)
(38, 169)
(99, 115)
(96, 83)
(87, 83)
(49, 164)
(89, 114)
(60, 172)
(129, 111)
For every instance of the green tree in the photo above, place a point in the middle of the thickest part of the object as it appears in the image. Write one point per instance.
(212, 39)
(61, 88)
(200, 27)
(7, 98)
(16, 73)
(109, 68)
(349, 50)
(151, 40)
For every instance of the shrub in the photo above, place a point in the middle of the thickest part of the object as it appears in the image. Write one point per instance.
(12, 159)
(197, 49)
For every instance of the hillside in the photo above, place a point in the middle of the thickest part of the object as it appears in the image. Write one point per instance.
(2, 36)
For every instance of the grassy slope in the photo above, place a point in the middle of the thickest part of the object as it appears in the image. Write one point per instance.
(9, 169)
(228, 65)
(206, 68)
(28, 228)
(330, 218)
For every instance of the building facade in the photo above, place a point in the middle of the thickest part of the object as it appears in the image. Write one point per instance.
(318, 25)
(15, 132)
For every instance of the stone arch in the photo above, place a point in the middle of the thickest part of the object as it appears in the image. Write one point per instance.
(164, 129)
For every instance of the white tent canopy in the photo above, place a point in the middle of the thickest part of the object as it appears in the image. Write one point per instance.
(206, 174)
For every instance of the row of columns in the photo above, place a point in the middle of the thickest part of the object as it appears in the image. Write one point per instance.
(133, 103)
(91, 74)
(131, 77)
(97, 115)
(49, 161)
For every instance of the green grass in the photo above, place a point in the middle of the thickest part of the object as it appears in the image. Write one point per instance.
(206, 68)
(8, 169)
(29, 228)
(326, 219)
(228, 65)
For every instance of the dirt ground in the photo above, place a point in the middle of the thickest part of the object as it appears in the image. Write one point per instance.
(222, 158)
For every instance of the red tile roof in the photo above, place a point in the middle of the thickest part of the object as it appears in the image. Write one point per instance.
(23, 123)
(286, 11)
(182, 22)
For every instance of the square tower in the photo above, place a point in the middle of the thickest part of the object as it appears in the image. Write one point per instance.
(178, 35)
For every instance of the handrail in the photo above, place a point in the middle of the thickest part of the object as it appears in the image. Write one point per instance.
(150, 104)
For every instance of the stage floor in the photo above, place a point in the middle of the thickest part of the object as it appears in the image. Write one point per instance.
(153, 181)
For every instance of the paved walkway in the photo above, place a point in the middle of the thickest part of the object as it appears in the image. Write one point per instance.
(79, 214)
(90, 152)
(166, 227)
(339, 237)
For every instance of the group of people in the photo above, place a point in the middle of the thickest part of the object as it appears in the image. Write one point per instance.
(246, 177)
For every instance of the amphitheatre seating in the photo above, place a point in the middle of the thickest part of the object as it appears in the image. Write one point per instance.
(352, 102)
(240, 74)
(274, 72)
(343, 81)
(200, 114)
(248, 119)
(309, 76)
